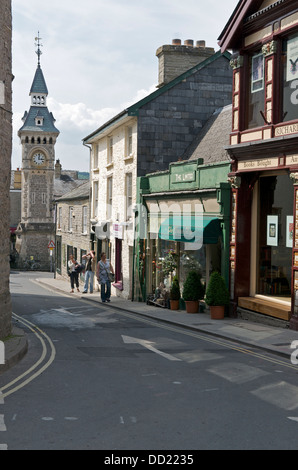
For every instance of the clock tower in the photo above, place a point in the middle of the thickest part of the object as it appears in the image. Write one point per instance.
(38, 138)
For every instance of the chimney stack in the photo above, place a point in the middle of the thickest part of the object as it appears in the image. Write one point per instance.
(58, 169)
(176, 58)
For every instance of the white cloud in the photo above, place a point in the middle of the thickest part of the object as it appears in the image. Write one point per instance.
(99, 57)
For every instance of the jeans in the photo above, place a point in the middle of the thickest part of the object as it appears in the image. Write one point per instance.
(74, 279)
(89, 275)
(105, 291)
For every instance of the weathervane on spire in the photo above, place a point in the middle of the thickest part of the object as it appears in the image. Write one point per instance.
(39, 45)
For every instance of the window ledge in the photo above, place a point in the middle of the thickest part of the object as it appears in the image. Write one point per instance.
(109, 166)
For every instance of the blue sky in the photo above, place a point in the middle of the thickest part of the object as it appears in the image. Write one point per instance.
(99, 57)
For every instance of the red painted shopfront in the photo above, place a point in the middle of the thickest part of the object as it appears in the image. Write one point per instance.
(264, 151)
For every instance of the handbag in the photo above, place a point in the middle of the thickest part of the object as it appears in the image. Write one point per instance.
(111, 276)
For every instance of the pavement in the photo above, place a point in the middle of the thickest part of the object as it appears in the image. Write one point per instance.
(256, 334)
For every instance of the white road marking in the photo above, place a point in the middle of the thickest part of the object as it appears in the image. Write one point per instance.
(281, 394)
(148, 345)
(2, 424)
(293, 418)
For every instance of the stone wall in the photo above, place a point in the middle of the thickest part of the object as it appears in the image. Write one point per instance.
(5, 162)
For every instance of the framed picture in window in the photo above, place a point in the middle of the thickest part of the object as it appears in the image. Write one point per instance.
(272, 230)
(290, 231)
(257, 73)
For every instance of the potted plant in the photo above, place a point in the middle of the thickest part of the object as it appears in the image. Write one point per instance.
(217, 296)
(193, 292)
(175, 294)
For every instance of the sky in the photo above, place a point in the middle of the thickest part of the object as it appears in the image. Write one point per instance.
(98, 57)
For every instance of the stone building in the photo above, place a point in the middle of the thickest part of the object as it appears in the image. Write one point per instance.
(145, 138)
(38, 137)
(5, 161)
(72, 227)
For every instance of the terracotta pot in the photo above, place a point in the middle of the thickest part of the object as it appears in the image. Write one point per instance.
(174, 304)
(217, 312)
(192, 306)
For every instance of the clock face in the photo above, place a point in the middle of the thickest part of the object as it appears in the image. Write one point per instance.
(38, 158)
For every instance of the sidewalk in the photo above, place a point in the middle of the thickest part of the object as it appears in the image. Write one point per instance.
(247, 333)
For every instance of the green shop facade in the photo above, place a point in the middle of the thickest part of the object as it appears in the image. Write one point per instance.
(182, 224)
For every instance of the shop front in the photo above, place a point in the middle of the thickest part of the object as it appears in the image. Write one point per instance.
(187, 227)
(263, 257)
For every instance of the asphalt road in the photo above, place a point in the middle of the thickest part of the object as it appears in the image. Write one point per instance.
(99, 379)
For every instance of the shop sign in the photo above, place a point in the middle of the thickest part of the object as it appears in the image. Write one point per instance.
(258, 164)
(118, 231)
(286, 130)
(183, 177)
(292, 160)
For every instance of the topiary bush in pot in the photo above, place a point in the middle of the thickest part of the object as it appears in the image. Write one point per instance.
(175, 294)
(193, 291)
(217, 295)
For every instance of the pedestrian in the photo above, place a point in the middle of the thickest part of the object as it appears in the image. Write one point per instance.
(89, 271)
(74, 276)
(104, 268)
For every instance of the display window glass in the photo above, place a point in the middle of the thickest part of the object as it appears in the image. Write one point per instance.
(275, 241)
(256, 92)
(168, 258)
(290, 78)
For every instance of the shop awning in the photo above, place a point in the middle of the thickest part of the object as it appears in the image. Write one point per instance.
(189, 229)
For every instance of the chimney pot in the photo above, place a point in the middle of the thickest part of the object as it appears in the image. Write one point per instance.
(201, 43)
(176, 42)
(188, 42)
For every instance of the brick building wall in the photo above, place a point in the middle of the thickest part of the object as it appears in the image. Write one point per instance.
(5, 162)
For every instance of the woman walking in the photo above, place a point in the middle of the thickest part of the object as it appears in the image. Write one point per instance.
(74, 276)
(104, 268)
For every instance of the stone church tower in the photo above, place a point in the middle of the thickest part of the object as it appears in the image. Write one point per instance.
(38, 137)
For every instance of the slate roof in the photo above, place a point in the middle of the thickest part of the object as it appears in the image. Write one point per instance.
(39, 84)
(81, 191)
(133, 110)
(210, 143)
(39, 111)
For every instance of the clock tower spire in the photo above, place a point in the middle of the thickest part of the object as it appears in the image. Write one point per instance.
(38, 136)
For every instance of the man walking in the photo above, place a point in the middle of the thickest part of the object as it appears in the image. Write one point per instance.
(89, 272)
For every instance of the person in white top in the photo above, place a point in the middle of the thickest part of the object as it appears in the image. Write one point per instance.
(74, 276)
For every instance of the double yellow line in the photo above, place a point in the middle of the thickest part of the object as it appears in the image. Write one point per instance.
(40, 365)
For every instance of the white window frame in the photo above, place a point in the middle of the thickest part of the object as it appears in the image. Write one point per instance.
(110, 149)
(128, 195)
(109, 196)
(70, 219)
(129, 134)
(84, 219)
(95, 199)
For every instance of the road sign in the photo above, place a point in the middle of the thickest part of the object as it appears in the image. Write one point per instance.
(51, 244)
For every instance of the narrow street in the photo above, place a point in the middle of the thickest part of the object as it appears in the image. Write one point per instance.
(96, 378)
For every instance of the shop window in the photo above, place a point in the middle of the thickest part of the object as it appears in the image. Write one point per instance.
(290, 78)
(274, 235)
(256, 92)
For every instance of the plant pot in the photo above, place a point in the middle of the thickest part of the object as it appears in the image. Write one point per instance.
(217, 312)
(192, 306)
(174, 304)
